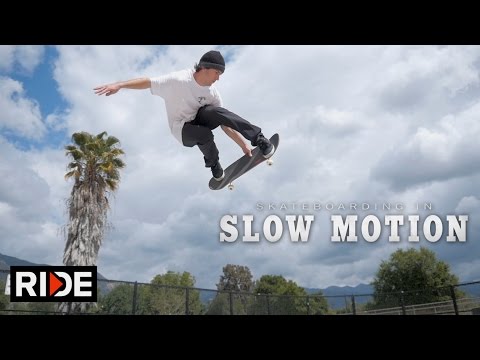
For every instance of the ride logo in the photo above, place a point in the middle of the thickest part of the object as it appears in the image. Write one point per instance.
(53, 283)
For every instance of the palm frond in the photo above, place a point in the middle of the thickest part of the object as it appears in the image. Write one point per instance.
(74, 173)
(119, 163)
(117, 152)
(74, 164)
(100, 136)
(81, 138)
(76, 153)
(112, 184)
(112, 140)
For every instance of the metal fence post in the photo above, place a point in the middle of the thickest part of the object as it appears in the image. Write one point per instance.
(134, 302)
(230, 297)
(268, 305)
(308, 305)
(187, 310)
(454, 299)
(354, 307)
(402, 302)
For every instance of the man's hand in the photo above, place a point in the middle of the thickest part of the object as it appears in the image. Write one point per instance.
(107, 89)
(246, 150)
(235, 136)
(110, 89)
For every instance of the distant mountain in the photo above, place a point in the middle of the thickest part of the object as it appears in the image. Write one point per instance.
(340, 296)
(13, 261)
(472, 289)
(361, 289)
(3, 266)
(7, 261)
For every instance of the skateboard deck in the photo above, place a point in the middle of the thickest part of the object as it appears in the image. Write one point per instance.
(243, 165)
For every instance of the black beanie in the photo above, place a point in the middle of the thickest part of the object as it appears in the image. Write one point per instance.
(212, 60)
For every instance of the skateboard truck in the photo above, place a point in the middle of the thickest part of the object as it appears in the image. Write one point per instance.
(269, 163)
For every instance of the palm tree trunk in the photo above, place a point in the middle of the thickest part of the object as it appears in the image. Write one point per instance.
(88, 209)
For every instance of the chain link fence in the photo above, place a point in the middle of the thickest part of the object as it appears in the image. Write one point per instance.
(133, 298)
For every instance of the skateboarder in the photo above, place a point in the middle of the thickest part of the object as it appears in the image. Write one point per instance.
(194, 108)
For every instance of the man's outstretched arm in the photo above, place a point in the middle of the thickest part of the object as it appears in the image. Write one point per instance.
(110, 89)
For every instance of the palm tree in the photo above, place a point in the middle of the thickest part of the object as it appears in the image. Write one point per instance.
(95, 169)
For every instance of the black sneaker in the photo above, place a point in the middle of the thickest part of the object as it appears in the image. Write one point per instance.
(217, 171)
(265, 146)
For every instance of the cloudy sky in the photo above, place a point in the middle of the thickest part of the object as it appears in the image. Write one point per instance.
(365, 125)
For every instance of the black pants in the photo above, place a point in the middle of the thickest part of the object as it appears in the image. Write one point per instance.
(199, 131)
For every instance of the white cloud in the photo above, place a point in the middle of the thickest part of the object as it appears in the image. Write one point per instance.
(26, 56)
(417, 77)
(6, 56)
(20, 114)
(29, 56)
(31, 214)
(468, 204)
(440, 152)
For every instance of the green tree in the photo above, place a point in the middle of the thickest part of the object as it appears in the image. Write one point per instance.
(118, 301)
(167, 295)
(317, 304)
(276, 295)
(236, 278)
(220, 305)
(235, 287)
(418, 274)
(95, 169)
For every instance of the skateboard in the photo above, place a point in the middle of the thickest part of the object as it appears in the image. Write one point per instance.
(243, 165)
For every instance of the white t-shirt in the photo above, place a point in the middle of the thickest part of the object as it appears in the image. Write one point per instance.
(183, 97)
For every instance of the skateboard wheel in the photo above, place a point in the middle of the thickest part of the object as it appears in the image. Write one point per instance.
(230, 186)
(270, 162)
